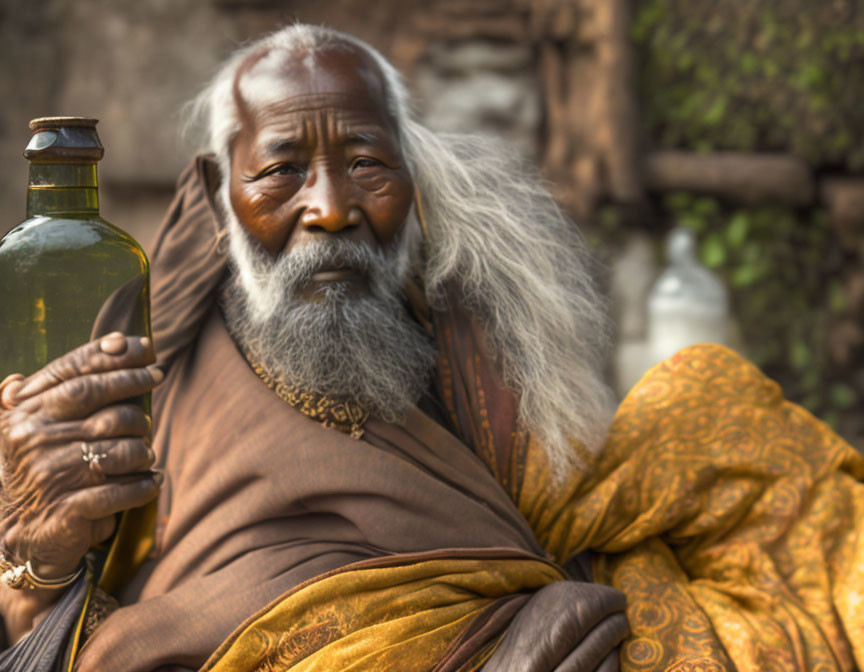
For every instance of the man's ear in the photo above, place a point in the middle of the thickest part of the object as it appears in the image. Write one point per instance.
(211, 175)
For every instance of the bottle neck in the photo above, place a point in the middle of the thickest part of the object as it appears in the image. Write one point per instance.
(58, 189)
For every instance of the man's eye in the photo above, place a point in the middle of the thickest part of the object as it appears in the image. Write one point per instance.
(285, 169)
(366, 162)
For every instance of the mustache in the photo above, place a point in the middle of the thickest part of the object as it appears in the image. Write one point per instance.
(297, 267)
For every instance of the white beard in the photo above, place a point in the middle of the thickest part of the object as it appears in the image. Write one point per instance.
(365, 349)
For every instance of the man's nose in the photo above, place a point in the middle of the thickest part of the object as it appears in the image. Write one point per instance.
(328, 204)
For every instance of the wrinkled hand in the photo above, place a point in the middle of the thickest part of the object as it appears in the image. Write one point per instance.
(54, 505)
(567, 626)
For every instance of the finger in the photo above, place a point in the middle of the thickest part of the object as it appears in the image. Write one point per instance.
(9, 389)
(103, 529)
(105, 500)
(597, 645)
(113, 343)
(110, 353)
(611, 663)
(83, 464)
(573, 608)
(82, 396)
(119, 456)
(120, 420)
(114, 422)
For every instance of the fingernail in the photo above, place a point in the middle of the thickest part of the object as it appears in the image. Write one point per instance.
(113, 343)
(157, 373)
(8, 388)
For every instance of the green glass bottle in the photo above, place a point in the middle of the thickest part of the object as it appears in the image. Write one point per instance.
(66, 275)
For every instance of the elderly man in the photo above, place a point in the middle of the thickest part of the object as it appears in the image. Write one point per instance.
(380, 422)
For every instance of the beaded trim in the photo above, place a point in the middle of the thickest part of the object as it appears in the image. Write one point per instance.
(347, 417)
(102, 605)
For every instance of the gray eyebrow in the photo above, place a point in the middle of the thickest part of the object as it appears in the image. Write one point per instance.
(362, 138)
(281, 145)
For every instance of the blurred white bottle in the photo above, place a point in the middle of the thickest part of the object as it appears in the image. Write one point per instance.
(688, 304)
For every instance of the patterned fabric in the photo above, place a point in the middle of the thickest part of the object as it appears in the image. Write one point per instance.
(101, 606)
(732, 519)
(398, 614)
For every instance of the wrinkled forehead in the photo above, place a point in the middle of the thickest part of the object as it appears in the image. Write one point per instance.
(282, 77)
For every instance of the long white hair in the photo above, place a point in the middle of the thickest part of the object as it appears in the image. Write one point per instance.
(494, 230)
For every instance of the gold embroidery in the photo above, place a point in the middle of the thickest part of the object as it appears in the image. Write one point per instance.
(347, 417)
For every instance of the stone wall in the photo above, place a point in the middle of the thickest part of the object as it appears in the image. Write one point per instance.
(625, 104)
(531, 72)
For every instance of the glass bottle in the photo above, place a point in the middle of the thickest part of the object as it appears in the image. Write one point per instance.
(687, 304)
(66, 275)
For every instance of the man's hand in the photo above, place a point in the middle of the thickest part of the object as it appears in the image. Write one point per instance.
(54, 504)
(567, 626)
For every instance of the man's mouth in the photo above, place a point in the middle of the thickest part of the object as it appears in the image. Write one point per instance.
(337, 275)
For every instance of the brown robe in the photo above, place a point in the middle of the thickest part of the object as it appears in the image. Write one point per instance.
(259, 498)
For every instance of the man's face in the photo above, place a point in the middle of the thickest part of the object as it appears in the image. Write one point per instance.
(317, 157)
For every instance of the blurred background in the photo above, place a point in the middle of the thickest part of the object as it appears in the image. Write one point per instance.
(741, 120)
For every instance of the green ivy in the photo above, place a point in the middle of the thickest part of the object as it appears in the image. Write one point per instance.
(765, 75)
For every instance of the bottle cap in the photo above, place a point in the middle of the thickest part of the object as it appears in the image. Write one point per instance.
(681, 246)
(64, 140)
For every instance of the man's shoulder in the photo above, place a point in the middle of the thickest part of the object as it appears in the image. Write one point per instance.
(189, 259)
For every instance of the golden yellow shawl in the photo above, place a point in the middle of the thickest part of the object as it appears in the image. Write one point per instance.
(733, 521)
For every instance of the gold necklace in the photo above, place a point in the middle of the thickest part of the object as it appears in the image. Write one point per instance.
(347, 417)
